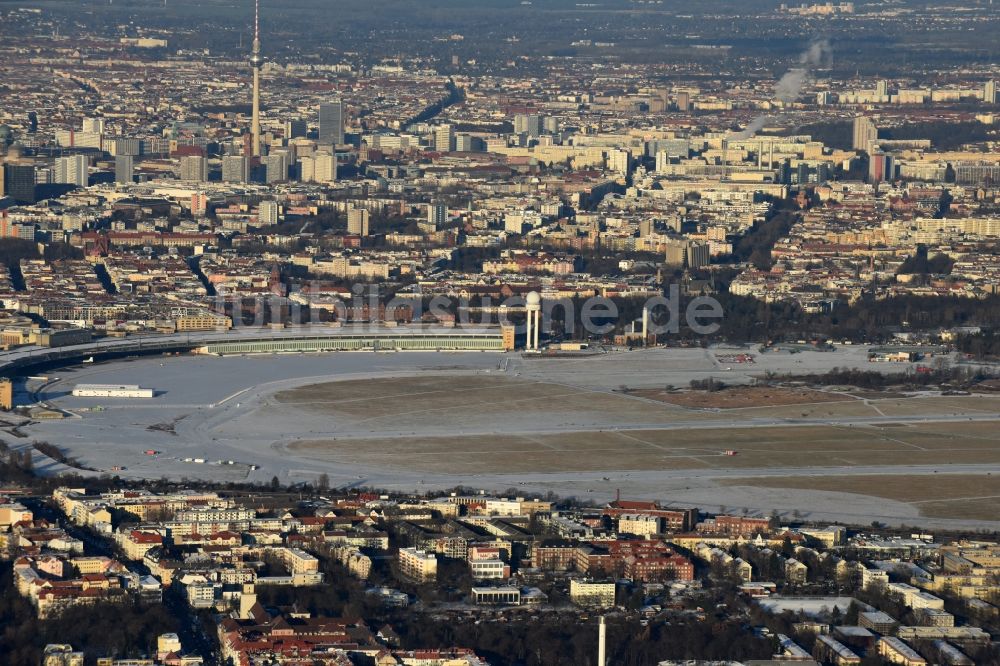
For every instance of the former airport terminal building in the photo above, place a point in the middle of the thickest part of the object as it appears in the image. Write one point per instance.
(304, 339)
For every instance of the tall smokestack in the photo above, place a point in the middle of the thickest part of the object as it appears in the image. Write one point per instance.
(601, 639)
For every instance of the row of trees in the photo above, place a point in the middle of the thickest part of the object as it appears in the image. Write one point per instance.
(943, 135)
(870, 379)
(563, 640)
(985, 344)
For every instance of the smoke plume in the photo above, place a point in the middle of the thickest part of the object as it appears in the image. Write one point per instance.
(789, 86)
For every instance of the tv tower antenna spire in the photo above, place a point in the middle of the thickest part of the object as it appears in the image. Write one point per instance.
(256, 62)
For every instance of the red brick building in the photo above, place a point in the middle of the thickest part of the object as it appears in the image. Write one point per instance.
(736, 526)
(554, 555)
(642, 560)
(674, 520)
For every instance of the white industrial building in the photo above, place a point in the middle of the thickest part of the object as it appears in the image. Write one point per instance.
(111, 391)
(489, 568)
(497, 595)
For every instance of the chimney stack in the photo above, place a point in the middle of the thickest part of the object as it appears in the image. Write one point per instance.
(601, 654)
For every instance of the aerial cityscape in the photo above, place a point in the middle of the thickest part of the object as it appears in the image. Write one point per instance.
(499, 333)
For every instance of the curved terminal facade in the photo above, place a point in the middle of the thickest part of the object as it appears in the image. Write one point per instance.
(377, 341)
(264, 341)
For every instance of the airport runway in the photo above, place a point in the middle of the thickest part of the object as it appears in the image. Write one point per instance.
(220, 409)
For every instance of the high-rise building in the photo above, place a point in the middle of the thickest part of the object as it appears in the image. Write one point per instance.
(444, 138)
(990, 92)
(672, 147)
(528, 123)
(257, 63)
(93, 125)
(126, 146)
(437, 214)
(357, 222)
(683, 101)
(882, 88)
(194, 167)
(881, 167)
(235, 169)
(467, 143)
(199, 204)
(89, 140)
(619, 161)
(267, 212)
(277, 167)
(865, 134)
(295, 129)
(676, 254)
(687, 253)
(154, 146)
(324, 167)
(124, 168)
(331, 123)
(19, 182)
(68, 138)
(72, 170)
(307, 168)
(662, 161)
(981, 173)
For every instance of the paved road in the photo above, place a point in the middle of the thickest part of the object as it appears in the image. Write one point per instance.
(741, 423)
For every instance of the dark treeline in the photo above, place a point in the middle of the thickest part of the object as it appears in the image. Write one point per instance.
(52, 451)
(868, 320)
(568, 642)
(985, 344)
(746, 319)
(872, 379)
(455, 95)
(920, 263)
(838, 135)
(125, 629)
(943, 135)
(755, 247)
(17, 469)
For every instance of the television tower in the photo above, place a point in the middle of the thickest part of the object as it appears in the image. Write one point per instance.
(257, 62)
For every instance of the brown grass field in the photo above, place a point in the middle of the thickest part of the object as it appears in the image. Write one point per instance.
(486, 425)
(738, 397)
(596, 450)
(423, 403)
(938, 495)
